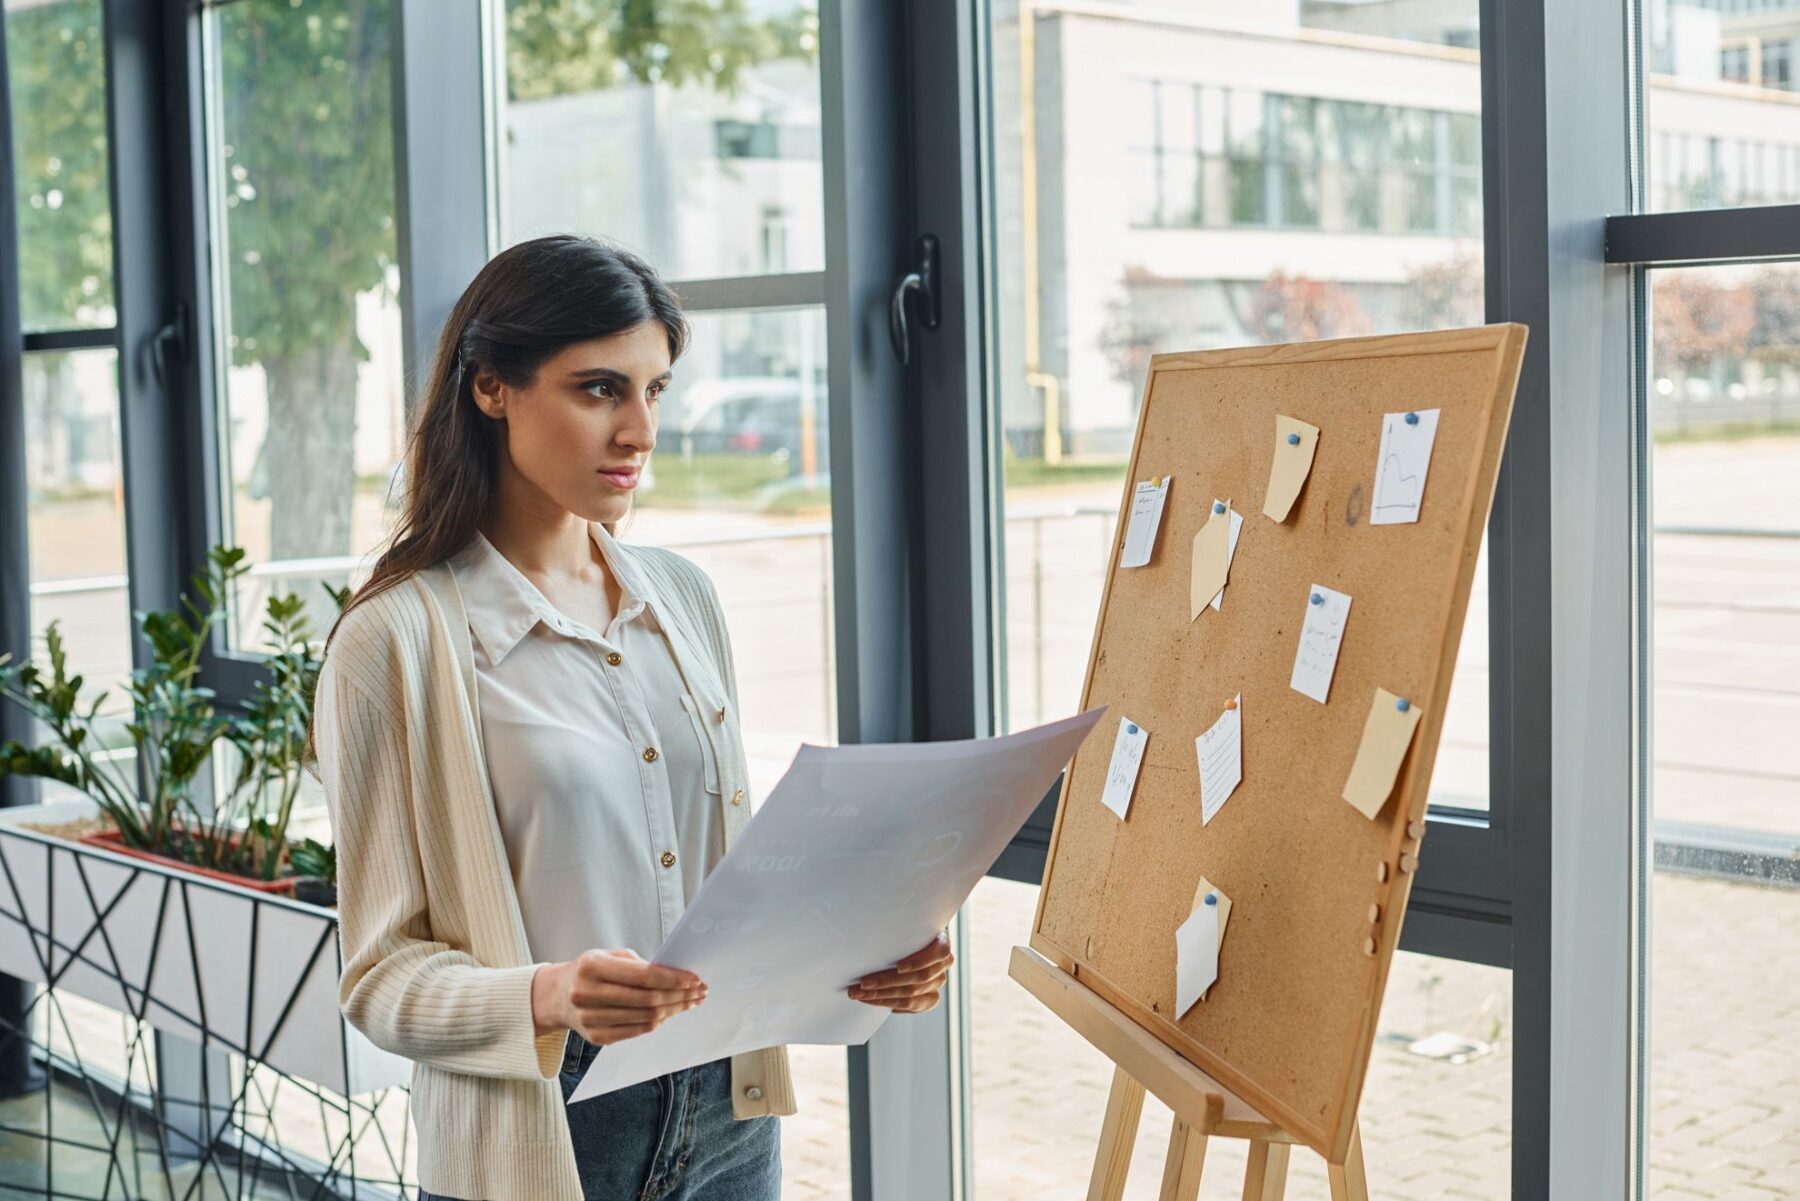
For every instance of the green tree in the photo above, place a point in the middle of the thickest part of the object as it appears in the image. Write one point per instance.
(57, 68)
(305, 183)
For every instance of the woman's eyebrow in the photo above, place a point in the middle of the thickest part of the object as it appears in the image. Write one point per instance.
(617, 377)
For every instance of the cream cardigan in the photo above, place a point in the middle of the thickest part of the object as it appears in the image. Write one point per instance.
(436, 966)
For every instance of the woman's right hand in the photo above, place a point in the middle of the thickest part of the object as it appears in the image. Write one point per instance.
(609, 996)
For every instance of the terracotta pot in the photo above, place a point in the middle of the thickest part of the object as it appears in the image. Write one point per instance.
(112, 840)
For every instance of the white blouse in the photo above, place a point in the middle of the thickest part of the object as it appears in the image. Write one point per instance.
(606, 784)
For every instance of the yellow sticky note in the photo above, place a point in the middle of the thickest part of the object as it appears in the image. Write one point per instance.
(1211, 559)
(1386, 735)
(1295, 442)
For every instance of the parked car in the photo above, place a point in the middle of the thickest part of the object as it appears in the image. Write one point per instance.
(751, 416)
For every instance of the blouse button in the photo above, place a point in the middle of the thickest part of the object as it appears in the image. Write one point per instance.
(737, 798)
(668, 858)
(614, 658)
(649, 754)
(721, 712)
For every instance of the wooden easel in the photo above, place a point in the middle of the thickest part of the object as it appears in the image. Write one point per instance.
(1203, 1108)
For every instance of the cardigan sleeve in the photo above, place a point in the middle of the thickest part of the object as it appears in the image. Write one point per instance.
(407, 992)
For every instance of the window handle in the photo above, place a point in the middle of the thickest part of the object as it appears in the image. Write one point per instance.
(922, 284)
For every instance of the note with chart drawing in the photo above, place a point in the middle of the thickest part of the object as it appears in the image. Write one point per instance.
(1400, 468)
(1122, 772)
(1221, 754)
(1147, 501)
(858, 857)
(1321, 635)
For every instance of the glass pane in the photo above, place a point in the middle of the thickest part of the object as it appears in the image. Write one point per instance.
(302, 192)
(740, 482)
(1437, 1104)
(687, 132)
(56, 65)
(1723, 1098)
(1720, 103)
(76, 516)
(1355, 155)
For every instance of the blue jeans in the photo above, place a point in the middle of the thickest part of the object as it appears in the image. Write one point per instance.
(668, 1139)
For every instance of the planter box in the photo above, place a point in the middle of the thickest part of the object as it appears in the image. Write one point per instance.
(248, 972)
(112, 840)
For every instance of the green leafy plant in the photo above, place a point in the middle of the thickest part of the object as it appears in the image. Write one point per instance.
(175, 729)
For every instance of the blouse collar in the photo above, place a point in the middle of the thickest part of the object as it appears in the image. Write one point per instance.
(503, 605)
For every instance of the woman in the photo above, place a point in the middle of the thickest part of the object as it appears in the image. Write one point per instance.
(528, 736)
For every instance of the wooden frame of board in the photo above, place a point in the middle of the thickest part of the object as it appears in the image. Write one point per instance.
(1317, 888)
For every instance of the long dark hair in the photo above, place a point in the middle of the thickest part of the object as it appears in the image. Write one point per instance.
(527, 304)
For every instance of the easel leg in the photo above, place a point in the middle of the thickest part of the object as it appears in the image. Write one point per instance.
(1181, 1171)
(1265, 1172)
(1348, 1183)
(1117, 1135)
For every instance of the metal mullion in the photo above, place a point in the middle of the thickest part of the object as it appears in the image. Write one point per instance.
(806, 289)
(49, 341)
(1704, 236)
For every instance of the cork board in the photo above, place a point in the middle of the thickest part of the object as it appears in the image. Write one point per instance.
(1317, 889)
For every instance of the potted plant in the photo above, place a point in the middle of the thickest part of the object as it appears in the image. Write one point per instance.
(175, 729)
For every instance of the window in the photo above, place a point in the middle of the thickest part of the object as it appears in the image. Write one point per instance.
(1698, 131)
(304, 265)
(1724, 418)
(1320, 216)
(56, 63)
(692, 135)
(660, 130)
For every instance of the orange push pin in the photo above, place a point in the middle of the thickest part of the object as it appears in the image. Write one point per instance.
(1231, 704)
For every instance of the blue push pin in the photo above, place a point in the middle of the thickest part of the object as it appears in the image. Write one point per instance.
(1412, 419)
(1218, 506)
(1317, 599)
(1293, 439)
(1212, 898)
(1130, 728)
(1403, 704)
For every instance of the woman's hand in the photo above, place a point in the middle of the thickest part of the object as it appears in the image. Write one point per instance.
(609, 996)
(913, 984)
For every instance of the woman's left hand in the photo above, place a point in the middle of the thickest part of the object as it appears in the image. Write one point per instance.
(913, 984)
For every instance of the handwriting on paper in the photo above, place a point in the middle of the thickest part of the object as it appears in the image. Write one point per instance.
(1122, 772)
(1237, 527)
(1147, 501)
(1221, 754)
(1295, 442)
(1321, 635)
(1386, 735)
(1406, 440)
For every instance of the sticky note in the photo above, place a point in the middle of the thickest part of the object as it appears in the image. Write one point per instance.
(1146, 518)
(1237, 526)
(1122, 772)
(1386, 735)
(1295, 442)
(1221, 754)
(1211, 558)
(1400, 468)
(1197, 943)
(1321, 634)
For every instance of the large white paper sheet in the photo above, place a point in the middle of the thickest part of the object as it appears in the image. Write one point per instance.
(860, 855)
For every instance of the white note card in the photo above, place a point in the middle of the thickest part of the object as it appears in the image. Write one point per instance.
(1400, 469)
(1196, 956)
(1237, 524)
(1146, 517)
(1122, 773)
(1221, 754)
(1321, 634)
